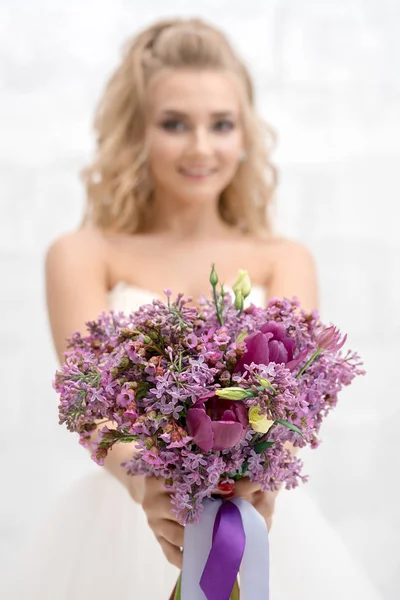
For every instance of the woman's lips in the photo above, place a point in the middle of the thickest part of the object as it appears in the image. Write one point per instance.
(197, 174)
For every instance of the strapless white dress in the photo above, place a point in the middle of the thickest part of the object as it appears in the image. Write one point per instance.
(97, 544)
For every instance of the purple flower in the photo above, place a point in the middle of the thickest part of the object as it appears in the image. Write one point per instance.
(125, 398)
(217, 424)
(192, 340)
(270, 344)
(328, 340)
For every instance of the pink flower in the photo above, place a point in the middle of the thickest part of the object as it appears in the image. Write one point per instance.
(270, 344)
(328, 340)
(217, 424)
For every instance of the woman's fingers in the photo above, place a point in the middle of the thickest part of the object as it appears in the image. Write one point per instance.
(168, 532)
(157, 499)
(173, 532)
(244, 487)
(264, 502)
(173, 554)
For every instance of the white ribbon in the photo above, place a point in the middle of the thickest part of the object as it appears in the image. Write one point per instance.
(254, 569)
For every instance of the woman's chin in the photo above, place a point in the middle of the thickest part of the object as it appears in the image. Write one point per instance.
(197, 196)
(200, 191)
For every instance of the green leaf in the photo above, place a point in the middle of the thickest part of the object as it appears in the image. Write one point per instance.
(177, 595)
(289, 426)
(244, 469)
(261, 446)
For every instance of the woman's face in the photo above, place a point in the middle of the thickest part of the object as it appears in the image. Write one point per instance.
(194, 134)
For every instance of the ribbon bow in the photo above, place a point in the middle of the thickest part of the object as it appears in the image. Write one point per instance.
(230, 538)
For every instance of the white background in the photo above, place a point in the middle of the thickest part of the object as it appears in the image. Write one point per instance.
(328, 80)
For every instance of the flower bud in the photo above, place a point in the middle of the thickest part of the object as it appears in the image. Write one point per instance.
(233, 393)
(242, 283)
(266, 383)
(176, 436)
(213, 276)
(239, 300)
(328, 340)
(258, 422)
(127, 333)
(123, 363)
(225, 377)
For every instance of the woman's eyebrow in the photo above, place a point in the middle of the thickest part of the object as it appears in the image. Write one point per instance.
(179, 113)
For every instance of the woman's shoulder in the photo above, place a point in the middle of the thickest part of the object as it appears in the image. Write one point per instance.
(282, 254)
(77, 250)
(86, 241)
(283, 247)
(279, 247)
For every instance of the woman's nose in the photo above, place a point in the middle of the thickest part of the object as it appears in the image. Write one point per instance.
(200, 141)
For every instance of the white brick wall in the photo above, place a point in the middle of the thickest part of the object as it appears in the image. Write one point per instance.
(328, 79)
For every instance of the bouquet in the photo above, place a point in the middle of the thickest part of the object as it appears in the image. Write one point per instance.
(209, 394)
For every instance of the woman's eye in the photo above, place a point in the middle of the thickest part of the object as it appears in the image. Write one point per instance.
(173, 125)
(224, 125)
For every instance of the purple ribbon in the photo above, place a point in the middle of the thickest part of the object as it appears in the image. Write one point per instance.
(223, 563)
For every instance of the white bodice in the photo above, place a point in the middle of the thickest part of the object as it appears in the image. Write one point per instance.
(127, 298)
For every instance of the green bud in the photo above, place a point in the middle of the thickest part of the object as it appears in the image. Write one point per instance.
(266, 383)
(242, 283)
(123, 363)
(213, 276)
(239, 300)
(233, 393)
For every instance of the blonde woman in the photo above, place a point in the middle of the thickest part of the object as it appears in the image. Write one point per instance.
(181, 178)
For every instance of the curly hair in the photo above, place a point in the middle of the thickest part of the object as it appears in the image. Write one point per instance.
(117, 183)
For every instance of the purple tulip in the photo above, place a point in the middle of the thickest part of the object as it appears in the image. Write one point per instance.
(270, 344)
(328, 340)
(217, 424)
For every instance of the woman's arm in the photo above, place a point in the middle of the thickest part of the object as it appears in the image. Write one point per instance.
(294, 273)
(76, 292)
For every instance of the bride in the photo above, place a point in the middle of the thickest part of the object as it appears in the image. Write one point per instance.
(182, 178)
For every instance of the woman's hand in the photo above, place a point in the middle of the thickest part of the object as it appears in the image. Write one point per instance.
(264, 502)
(157, 506)
(156, 503)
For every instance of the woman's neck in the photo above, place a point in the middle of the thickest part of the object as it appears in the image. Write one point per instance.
(194, 222)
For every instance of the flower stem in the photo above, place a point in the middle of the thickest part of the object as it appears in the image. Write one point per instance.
(177, 590)
(219, 317)
(235, 594)
(308, 363)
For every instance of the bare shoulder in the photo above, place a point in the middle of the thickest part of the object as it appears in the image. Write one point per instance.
(80, 243)
(284, 249)
(293, 272)
(76, 283)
